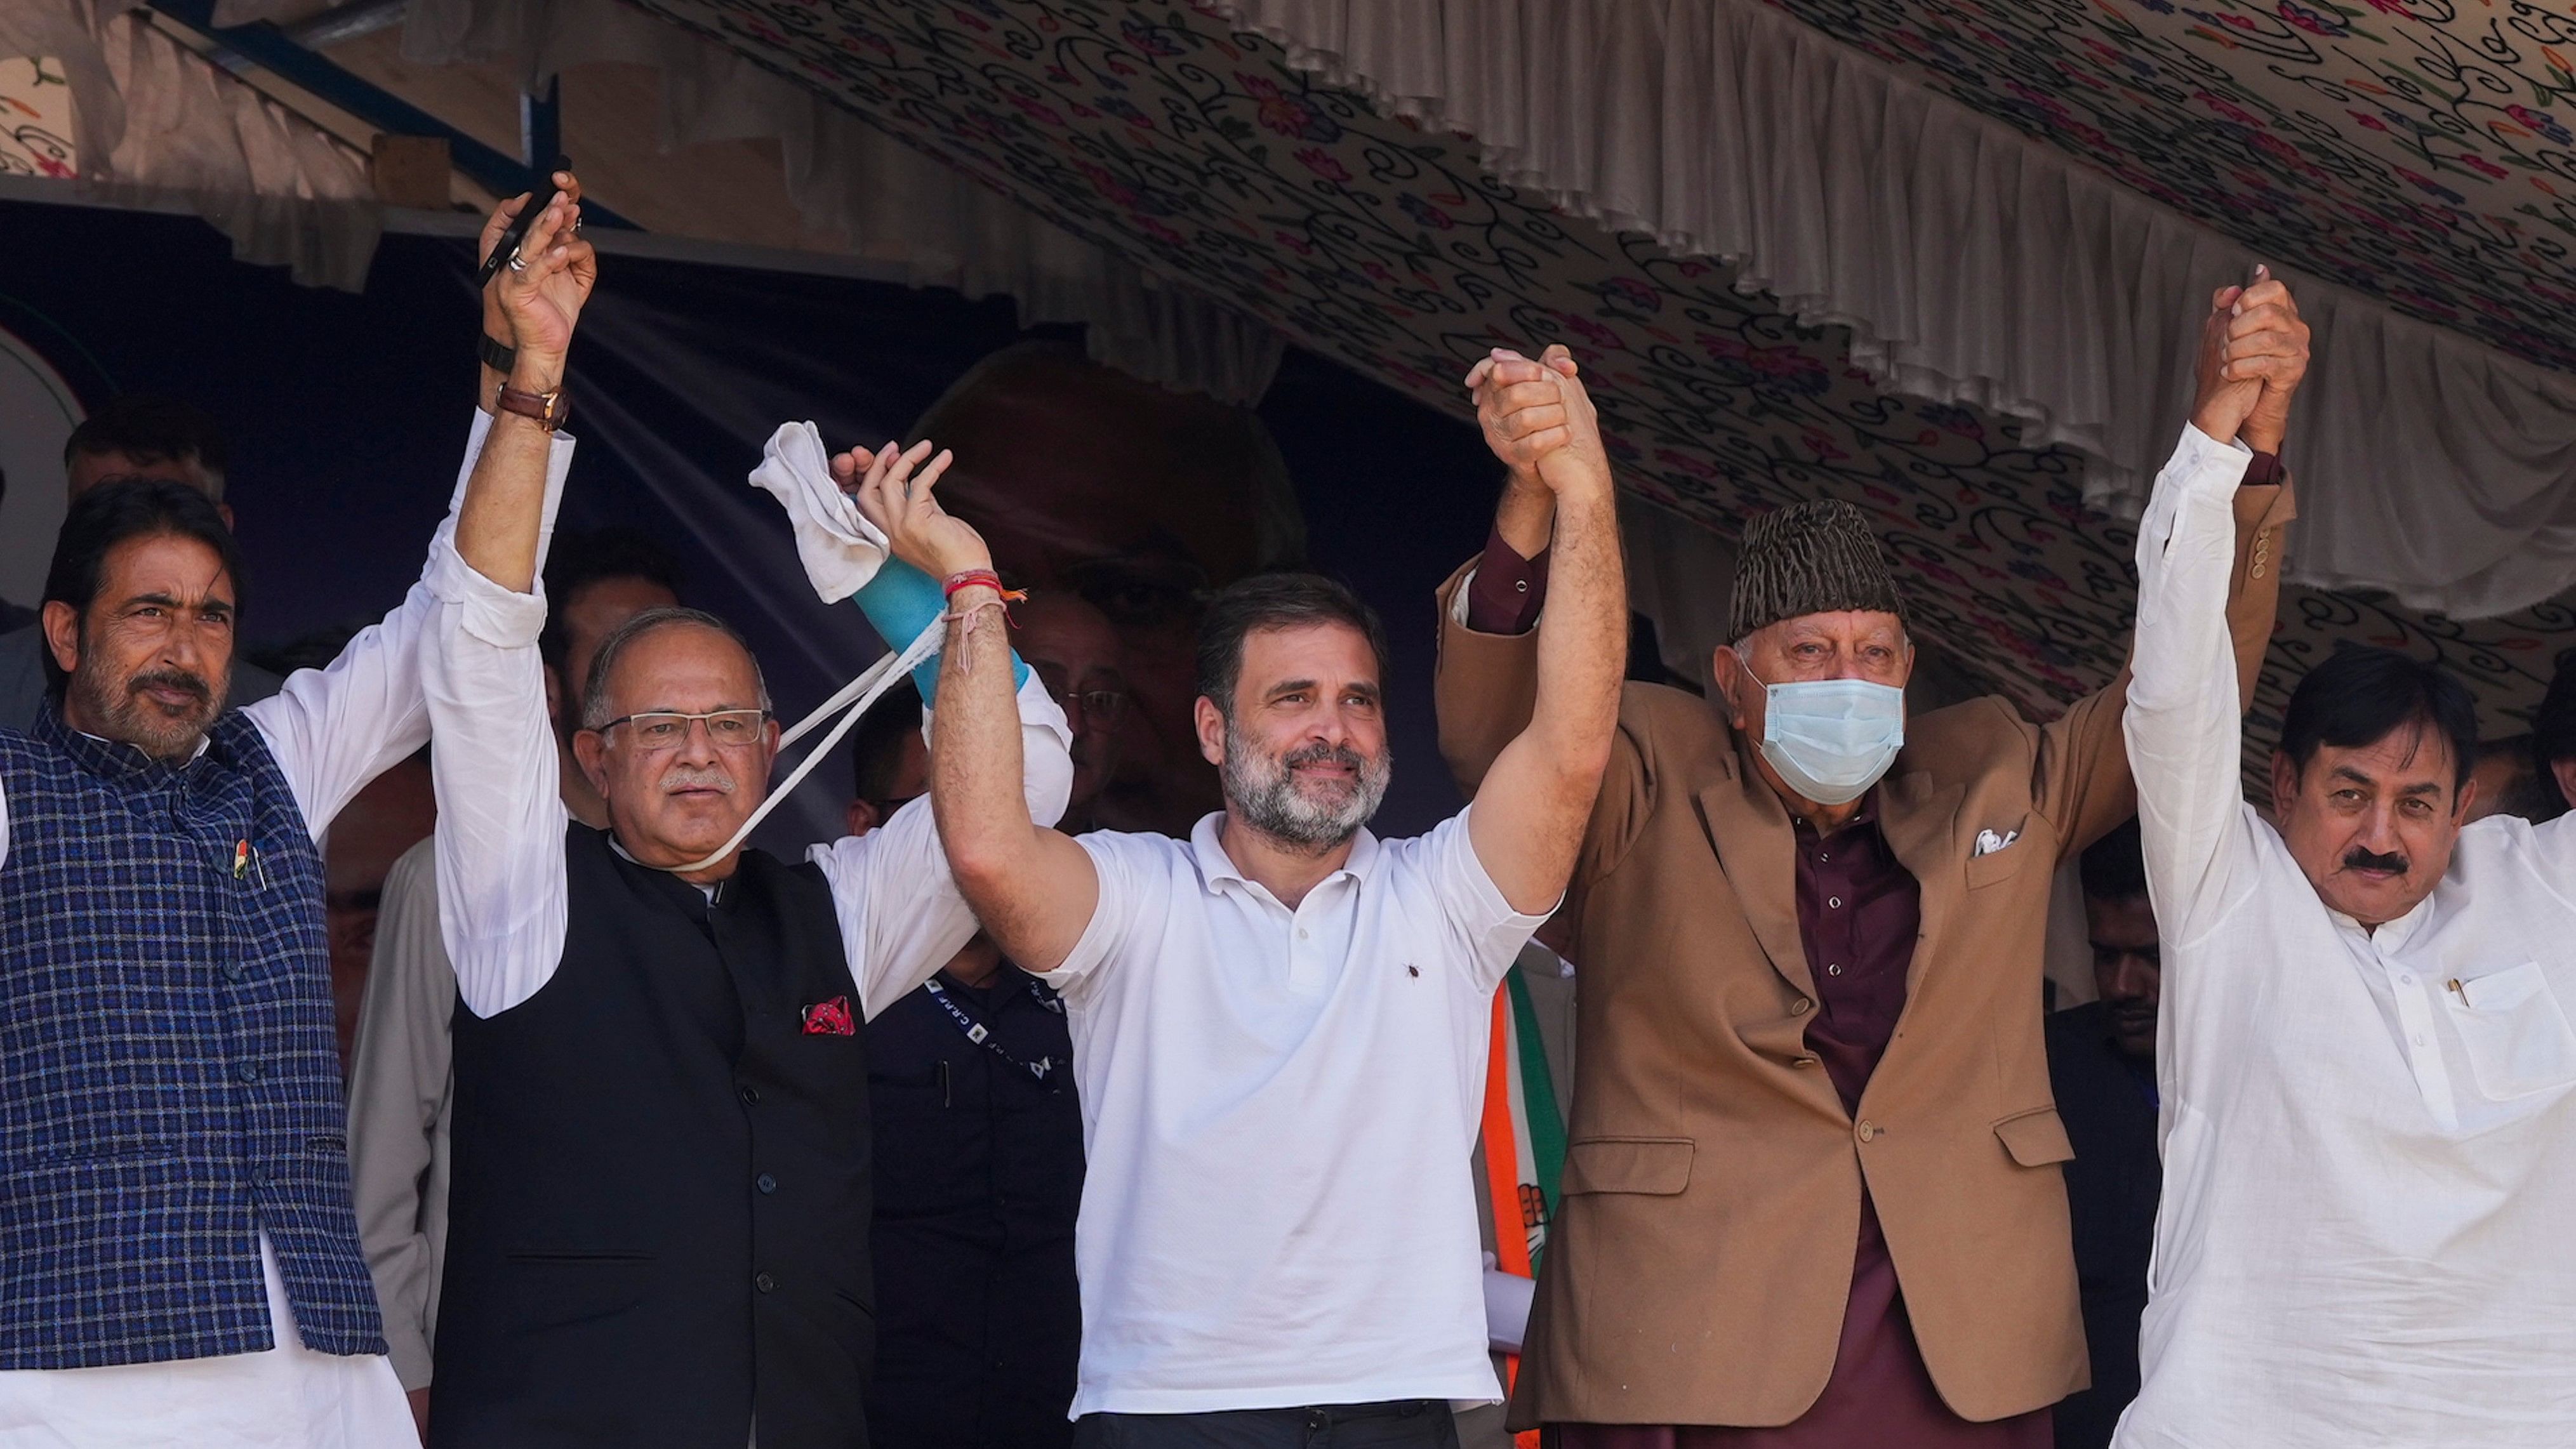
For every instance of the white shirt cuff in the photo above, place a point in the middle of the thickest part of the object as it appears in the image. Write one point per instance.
(2206, 467)
(558, 459)
(1038, 710)
(502, 618)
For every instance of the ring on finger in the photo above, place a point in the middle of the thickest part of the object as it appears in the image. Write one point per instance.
(518, 263)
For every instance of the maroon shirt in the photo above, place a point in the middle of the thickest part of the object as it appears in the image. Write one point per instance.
(1504, 596)
(1859, 913)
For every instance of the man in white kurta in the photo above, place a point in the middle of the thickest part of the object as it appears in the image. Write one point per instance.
(2369, 1128)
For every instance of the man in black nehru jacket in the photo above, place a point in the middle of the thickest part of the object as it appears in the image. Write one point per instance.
(659, 1194)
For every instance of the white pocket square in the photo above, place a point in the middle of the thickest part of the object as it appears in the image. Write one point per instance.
(1989, 842)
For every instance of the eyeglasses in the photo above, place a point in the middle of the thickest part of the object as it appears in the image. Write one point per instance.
(1099, 705)
(729, 728)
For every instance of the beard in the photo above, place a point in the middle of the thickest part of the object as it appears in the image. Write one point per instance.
(1313, 816)
(121, 706)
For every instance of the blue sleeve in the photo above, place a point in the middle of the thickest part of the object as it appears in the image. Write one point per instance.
(900, 602)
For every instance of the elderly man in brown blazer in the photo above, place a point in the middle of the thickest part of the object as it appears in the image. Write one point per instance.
(1812, 1195)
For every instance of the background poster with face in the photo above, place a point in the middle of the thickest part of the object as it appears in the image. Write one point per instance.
(1121, 507)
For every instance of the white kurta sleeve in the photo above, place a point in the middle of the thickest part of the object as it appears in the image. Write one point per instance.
(501, 817)
(336, 728)
(900, 912)
(2183, 726)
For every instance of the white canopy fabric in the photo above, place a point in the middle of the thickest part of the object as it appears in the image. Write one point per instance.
(1967, 261)
(155, 126)
(158, 126)
(895, 206)
(1973, 265)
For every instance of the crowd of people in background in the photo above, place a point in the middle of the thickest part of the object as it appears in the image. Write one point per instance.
(399, 1042)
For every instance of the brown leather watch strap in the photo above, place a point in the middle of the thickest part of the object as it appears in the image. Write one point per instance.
(548, 408)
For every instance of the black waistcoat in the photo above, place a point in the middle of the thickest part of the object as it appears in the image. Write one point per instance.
(658, 1218)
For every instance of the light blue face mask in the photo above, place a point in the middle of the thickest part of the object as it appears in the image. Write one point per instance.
(1831, 739)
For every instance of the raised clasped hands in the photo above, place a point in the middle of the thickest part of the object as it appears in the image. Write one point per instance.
(893, 489)
(2253, 354)
(535, 306)
(1539, 420)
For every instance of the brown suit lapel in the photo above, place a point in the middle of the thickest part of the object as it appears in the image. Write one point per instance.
(1920, 822)
(1758, 848)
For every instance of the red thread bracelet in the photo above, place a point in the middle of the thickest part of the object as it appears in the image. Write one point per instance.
(981, 578)
(972, 577)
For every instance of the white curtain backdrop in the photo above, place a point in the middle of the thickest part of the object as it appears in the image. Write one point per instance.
(1974, 265)
(155, 126)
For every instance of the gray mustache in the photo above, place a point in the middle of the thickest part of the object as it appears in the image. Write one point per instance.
(178, 679)
(691, 779)
(1320, 753)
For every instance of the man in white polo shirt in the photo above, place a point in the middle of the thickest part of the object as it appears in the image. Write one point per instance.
(1279, 1024)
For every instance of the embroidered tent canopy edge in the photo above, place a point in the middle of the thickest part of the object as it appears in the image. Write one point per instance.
(1206, 152)
(1388, 185)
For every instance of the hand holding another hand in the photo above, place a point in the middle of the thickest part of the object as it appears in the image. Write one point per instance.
(1538, 419)
(2267, 341)
(2253, 355)
(898, 500)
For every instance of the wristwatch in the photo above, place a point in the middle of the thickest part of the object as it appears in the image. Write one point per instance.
(548, 408)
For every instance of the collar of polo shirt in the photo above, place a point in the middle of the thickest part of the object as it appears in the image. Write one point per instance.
(1215, 866)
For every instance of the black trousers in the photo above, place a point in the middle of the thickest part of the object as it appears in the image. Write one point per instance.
(1400, 1424)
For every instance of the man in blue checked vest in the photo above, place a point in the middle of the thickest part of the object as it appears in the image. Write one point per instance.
(179, 1261)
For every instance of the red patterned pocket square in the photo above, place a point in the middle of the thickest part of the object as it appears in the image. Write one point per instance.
(830, 1018)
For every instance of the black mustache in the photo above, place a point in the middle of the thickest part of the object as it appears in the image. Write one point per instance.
(178, 679)
(2360, 859)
